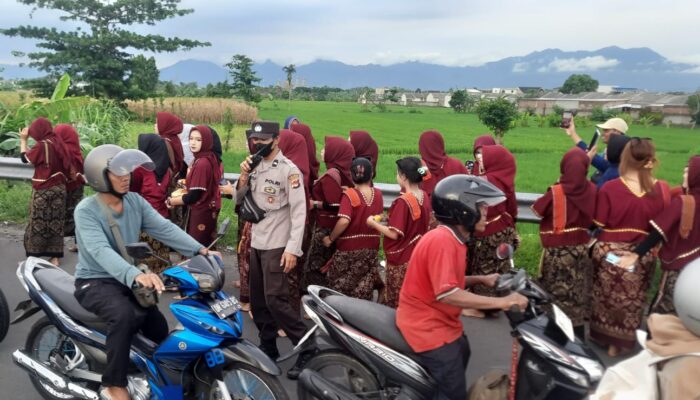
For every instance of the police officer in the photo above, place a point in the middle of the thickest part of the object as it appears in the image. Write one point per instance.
(276, 186)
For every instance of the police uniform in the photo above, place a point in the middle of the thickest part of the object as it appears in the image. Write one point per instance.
(277, 187)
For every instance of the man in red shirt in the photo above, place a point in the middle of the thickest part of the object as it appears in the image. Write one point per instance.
(433, 296)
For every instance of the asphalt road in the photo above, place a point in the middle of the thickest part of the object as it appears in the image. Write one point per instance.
(489, 338)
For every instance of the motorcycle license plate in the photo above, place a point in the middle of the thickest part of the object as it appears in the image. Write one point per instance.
(226, 307)
(563, 322)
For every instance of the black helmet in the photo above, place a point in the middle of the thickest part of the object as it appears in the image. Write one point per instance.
(456, 199)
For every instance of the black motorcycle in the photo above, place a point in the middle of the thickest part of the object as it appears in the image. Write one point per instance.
(362, 355)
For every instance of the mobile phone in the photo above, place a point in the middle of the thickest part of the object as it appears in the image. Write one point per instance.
(470, 166)
(613, 259)
(566, 119)
(594, 139)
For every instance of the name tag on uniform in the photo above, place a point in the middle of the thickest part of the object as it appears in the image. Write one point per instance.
(270, 190)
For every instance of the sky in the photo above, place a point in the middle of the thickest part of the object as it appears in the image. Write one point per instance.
(447, 32)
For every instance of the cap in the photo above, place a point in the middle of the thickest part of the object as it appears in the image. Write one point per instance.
(263, 130)
(617, 124)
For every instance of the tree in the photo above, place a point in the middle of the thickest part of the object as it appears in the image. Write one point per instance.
(143, 78)
(244, 78)
(578, 83)
(498, 115)
(461, 101)
(392, 95)
(290, 70)
(97, 57)
(694, 106)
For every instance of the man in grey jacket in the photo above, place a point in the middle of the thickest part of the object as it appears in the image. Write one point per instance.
(104, 279)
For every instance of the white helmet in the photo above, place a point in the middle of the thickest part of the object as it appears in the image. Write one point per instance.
(686, 297)
(112, 158)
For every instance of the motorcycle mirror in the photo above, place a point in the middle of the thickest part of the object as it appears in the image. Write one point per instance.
(224, 227)
(139, 251)
(504, 251)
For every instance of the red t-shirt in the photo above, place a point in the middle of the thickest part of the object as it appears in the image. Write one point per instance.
(436, 269)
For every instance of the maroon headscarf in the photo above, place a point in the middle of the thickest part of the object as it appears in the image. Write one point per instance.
(71, 142)
(169, 127)
(201, 176)
(499, 167)
(41, 131)
(431, 146)
(305, 131)
(483, 140)
(580, 192)
(339, 154)
(365, 147)
(694, 175)
(293, 147)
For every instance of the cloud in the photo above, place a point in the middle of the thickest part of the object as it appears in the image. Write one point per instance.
(579, 64)
(521, 67)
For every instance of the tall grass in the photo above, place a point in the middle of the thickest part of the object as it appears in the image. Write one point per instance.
(14, 201)
(195, 110)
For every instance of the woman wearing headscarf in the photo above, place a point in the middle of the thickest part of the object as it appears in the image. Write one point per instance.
(479, 142)
(74, 179)
(305, 131)
(203, 197)
(169, 127)
(47, 209)
(431, 146)
(326, 194)
(499, 169)
(678, 229)
(293, 146)
(353, 268)
(623, 209)
(366, 147)
(567, 211)
(291, 120)
(153, 187)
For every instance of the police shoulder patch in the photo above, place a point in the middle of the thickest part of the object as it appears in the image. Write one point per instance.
(294, 181)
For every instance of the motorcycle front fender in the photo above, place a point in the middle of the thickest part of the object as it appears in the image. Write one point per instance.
(245, 352)
(27, 308)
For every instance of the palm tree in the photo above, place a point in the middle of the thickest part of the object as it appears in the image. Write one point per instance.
(290, 70)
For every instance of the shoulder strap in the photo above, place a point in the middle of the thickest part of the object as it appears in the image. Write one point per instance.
(171, 154)
(559, 208)
(413, 205)
(687, 215)
(46, 151)
(114, 228)
(354, 196)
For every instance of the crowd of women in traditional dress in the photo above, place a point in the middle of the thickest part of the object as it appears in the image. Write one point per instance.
(601, 241)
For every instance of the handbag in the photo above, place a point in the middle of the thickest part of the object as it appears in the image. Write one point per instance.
(249, 210)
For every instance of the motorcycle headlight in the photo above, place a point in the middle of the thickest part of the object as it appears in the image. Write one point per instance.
(578, 378)
(206, 282)
(594, 369)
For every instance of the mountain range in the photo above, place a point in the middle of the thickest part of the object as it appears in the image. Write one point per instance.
(640, 68)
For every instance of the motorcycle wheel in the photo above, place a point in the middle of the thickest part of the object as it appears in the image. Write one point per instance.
(43, 339)
(344, 371)
(247, 382)
(4, 316)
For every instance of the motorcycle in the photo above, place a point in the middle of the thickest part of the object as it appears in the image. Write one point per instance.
(362, 354)
(204, 357)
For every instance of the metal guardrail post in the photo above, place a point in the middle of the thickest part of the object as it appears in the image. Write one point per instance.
(13, 168)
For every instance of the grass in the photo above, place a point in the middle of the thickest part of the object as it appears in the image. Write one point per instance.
(202, 110)
(537, 150)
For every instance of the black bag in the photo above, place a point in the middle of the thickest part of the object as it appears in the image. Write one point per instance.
(249, 211)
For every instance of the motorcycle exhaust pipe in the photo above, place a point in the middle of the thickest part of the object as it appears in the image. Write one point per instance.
(322, 388)
(54, 378)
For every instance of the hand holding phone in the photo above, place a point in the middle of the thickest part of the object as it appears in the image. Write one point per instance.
(566, 119)
(614, 259)
(594, 139)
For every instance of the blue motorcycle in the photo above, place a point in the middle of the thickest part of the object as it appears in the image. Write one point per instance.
(204, 357)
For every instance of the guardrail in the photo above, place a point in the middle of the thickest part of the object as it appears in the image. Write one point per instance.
(13, 169)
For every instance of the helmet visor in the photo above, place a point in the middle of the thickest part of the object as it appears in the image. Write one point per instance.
(126, 161)
(491, 201)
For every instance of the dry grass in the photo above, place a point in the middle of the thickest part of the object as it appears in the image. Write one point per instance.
(195, 110)
(16, 98)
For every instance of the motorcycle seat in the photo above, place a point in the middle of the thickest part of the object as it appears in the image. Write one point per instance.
(60, 285)
(375, 320)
